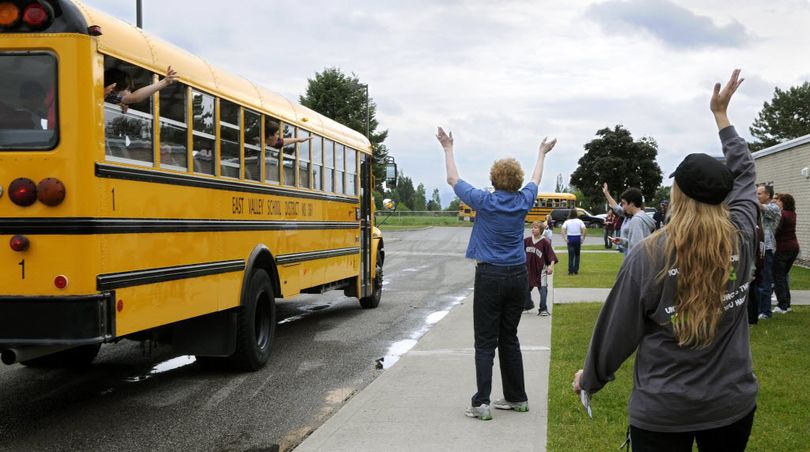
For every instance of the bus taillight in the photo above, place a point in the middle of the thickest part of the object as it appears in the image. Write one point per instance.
(22, 191)
(36, 16)
(9, 15)
(51, 191)
(60, 282)
(19, 243)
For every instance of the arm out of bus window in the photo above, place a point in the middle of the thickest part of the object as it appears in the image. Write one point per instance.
(287, 141)
(142, 93)
(449, 161)
(545, 148)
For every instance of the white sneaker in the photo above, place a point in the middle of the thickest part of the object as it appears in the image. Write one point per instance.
(763, 317)
(778, 310)
(481, 412)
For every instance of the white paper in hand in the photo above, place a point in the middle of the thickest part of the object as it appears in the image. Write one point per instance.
(585, 398)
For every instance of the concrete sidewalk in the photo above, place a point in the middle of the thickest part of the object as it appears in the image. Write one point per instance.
(418, 404)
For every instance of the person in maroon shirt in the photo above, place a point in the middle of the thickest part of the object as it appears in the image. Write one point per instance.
(787, 248)
(540, 260)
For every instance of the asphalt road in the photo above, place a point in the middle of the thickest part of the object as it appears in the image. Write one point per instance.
(138, 397)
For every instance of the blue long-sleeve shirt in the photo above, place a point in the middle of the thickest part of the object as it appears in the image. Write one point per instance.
(497, 235)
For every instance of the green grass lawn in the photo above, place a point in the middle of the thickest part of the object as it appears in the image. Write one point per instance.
(799, 278)
(596, 270)
(398, 222)
(781, 362)
(586, 248)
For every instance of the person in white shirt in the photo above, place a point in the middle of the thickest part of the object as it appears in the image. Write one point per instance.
(573, 232)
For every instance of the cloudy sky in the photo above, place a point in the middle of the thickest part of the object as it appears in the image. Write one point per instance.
(503, 74)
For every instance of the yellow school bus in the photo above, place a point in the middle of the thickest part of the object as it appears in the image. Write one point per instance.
(546, 202)
(176, 220)
(465, 212)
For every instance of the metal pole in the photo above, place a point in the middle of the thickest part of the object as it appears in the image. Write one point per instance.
(368, 117)
(139, 13)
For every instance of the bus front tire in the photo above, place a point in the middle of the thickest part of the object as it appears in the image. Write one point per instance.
(373, 300)
(255, 324)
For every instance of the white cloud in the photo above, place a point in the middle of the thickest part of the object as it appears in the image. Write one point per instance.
(504, 74)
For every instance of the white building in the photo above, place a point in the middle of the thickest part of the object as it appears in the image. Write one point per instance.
(787, 167)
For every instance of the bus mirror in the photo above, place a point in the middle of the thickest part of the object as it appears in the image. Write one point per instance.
(390, 172)
(388, 204)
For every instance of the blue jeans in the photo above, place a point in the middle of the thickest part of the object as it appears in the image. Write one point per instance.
(574, 246)
(500, 293)
(543, 306)
(765, 289)
(608, 243)
(782, 262)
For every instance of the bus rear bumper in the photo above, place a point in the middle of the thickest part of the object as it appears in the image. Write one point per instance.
(56, 321)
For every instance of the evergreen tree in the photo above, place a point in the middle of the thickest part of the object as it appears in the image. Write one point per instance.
(419, 198)
(787, 116)
(435, 202)
(343, 98)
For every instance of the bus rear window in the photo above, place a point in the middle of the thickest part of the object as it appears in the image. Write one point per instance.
(28, 101)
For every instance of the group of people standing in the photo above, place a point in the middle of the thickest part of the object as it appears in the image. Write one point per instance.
(779, 249)
(694, 377)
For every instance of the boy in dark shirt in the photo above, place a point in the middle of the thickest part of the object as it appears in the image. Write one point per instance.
(540, 260)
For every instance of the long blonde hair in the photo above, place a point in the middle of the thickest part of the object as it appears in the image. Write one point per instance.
(700, 240)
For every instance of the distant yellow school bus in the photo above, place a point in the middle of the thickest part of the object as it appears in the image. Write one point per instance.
(465, 212)
(546, 202)
(543, 206)
(175, 220)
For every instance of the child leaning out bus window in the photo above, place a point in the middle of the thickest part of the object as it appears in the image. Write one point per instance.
(118, 87)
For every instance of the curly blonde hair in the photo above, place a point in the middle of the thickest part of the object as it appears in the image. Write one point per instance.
(506, 174)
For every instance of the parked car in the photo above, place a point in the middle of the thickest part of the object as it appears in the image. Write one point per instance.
(591, 221)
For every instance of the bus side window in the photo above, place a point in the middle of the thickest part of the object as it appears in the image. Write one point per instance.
(271, 152)
(288, 152)
(303, 160)
(317, 162)
(229, 165)
(129, 135)
(253, 133)
(328, 165)
(351, 171)
(339, 169)
(203, 132)
(173, 127)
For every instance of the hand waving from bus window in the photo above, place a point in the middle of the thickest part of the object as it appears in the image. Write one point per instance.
(118, 85)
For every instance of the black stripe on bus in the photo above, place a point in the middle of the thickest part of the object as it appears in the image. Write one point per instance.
(156, 275)
(145, 175)
(312, 255)
(87, 226)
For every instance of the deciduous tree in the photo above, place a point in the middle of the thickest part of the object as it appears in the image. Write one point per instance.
(614, 157)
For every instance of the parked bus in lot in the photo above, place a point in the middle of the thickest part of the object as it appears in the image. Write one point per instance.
(543, 206)
(546, 202)
(174, 221)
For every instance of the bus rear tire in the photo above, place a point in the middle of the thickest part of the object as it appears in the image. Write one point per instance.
(73, 358)
(373, 300)
(255, 324)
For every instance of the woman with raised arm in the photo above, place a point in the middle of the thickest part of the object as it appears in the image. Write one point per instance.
(501, 283)
(679, 303)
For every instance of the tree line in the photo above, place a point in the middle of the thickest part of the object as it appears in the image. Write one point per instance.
(614, 156)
